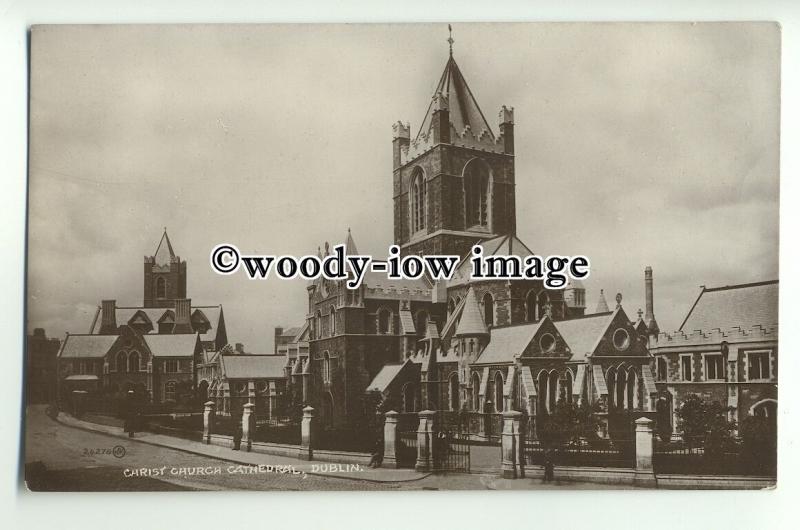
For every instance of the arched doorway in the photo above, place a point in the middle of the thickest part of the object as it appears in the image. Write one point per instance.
(202, 392)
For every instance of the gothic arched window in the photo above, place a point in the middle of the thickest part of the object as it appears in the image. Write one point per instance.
(542, 304)
(333, 321)
(384, 321)
(568, 387)
(161, 287)
(476, 194)
(133, 362)
(122, 362)
(455, 402)
(488, 309)
(530, 306)
(498, 392)
(326, 368)
(476, 397)
(417, 194)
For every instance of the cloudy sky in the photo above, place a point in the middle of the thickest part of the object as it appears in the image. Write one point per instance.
(636, 144)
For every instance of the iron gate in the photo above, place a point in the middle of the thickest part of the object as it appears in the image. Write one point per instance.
(451, 452)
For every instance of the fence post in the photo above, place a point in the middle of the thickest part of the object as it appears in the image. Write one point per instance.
(248, 426)
(209, 417)
(645, 477)
(510, 441)
(390, 439)
(307, 435)
(425, 440)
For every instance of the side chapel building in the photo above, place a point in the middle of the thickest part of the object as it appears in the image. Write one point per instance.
(153, 349)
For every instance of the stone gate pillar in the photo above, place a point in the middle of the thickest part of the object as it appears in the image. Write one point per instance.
(307, 435)
(248, 426)
(209, 417)
(425, 439)
(390, 439)
(511, 443)
(645, 477)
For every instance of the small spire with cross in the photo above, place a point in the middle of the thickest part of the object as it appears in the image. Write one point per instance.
(450, 38)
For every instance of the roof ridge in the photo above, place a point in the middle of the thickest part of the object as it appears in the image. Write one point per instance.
(738, 286)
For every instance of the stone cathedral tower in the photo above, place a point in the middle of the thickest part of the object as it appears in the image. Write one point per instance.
(454, 181)
(164, 276)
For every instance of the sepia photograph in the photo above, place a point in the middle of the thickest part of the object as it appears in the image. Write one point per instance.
(403, 257)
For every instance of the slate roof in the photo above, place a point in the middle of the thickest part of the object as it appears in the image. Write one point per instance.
(385, 376)
(171, 345)
(291, 332)
(86, 346)
(507, 342)
(464, 110)
(378, 280)
(582, 334)
(744, 305)
(253, 366)
(471, 322)
(407, 322)
(431, 332)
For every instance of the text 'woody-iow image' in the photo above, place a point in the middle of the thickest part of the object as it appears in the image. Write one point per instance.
(403, 257)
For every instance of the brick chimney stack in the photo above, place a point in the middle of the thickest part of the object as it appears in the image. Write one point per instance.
(649, 316)
(108, 324)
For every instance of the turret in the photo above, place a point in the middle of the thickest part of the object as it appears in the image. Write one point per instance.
(401, 137)
(507, 129)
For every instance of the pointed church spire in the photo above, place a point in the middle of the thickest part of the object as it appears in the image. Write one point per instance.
(164, 252)
(471, 322)
(350, 244)
(453, 92)
(602, 305)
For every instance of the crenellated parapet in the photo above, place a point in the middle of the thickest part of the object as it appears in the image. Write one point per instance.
(717, 335)
(482, 140)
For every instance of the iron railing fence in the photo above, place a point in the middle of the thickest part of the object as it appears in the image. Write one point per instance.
(581, 453)
(697, 457)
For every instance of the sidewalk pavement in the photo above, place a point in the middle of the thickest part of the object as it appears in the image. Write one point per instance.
(326, 469)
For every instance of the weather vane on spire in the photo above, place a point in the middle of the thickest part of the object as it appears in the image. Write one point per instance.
(450, 38)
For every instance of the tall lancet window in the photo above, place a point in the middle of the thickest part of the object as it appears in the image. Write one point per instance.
(476, 194)
(161, 287)
(417, 202)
